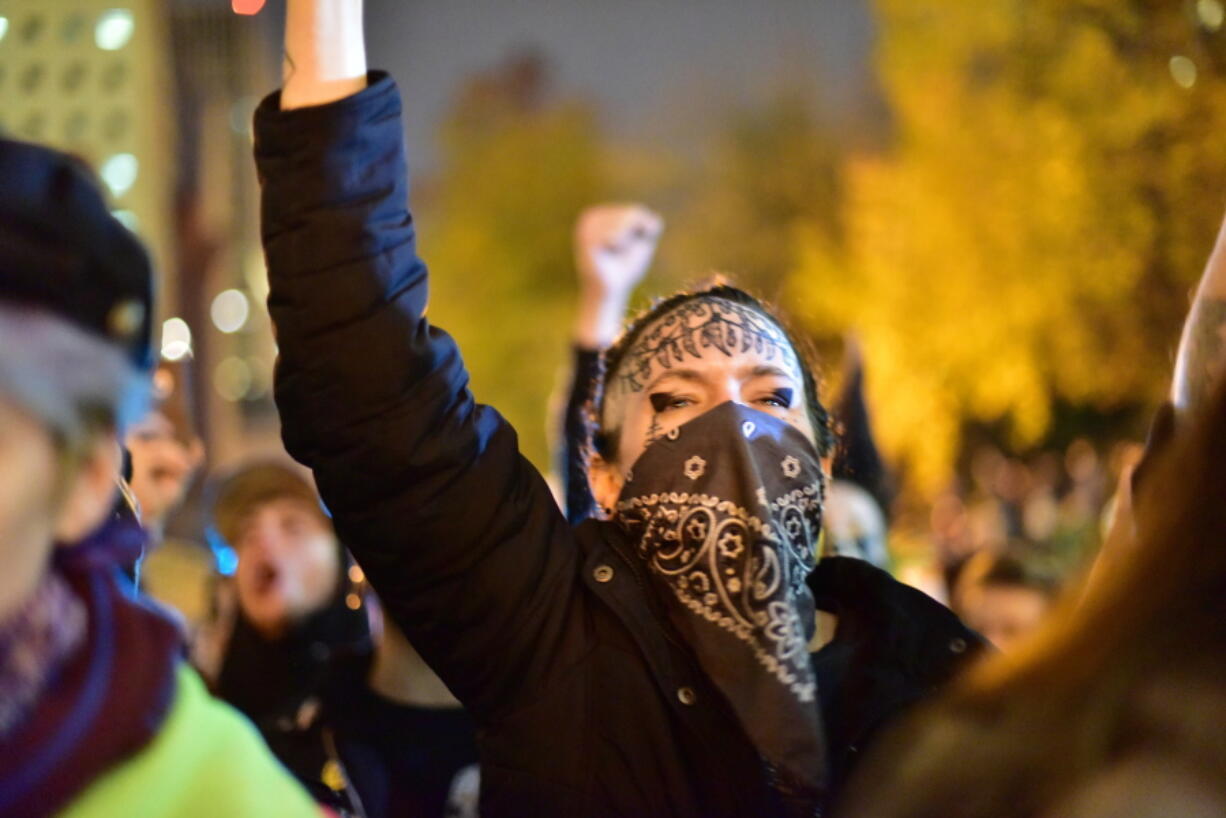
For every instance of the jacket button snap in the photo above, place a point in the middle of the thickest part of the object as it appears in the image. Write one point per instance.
(603, 573)
(958, 645)
(686, 695)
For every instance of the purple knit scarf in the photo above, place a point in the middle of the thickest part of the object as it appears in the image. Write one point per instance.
(35, 640)
(106, 698)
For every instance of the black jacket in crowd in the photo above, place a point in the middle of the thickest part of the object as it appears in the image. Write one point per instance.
(586, 701)
(309, 694)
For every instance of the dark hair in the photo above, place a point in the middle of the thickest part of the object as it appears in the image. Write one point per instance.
(253, 485)
(604, 442)
(1012, 571)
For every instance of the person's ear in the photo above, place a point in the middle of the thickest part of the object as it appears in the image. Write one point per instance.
(605, 480)
(90, 493)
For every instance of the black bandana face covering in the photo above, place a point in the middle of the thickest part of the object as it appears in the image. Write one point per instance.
(725, 511)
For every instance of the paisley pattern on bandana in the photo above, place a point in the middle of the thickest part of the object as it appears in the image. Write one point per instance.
(731, 567)
(725, 516)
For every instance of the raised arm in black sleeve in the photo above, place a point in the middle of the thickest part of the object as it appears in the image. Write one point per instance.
(456, 530)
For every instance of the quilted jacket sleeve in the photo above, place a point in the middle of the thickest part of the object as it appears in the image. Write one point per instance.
(456, 530)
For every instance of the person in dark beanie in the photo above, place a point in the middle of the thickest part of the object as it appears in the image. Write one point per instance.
(351, 709)
(99, 714)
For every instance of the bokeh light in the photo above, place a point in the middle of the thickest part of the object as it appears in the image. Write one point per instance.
(1183, 71)
(176, 339)
(114, 29)
(127, 218)
(1211, 13)
(232, 379)
(230, 310)
(119, 172)
(246, 6)
(226, 559)
(261, 377)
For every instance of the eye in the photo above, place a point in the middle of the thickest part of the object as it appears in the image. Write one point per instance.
(663, 401)
(780, 398)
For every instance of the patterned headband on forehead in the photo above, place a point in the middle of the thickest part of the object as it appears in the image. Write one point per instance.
(692, 327)
(719, 316)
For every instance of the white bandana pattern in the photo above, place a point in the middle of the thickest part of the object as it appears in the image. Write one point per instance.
(724, 516)
(702, 551)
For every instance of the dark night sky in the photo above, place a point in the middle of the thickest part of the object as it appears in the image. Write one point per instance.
(656, 69)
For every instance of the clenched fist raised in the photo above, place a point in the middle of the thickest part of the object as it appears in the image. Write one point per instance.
(614, 244)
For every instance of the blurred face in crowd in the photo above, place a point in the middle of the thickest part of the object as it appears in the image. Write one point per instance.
(162, 466)
(43, 500)
(664, 381)
(287, 564)
(1004, 614)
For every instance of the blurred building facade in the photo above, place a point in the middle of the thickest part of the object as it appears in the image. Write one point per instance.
(157, 97)
(91, 77)
(222, 64)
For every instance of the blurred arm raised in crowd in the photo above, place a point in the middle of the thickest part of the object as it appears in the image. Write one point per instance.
(614, 245)
(1198, 365)
(1202, 349)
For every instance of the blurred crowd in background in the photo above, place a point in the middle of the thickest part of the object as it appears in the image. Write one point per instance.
(1009, 375)
(997, 237)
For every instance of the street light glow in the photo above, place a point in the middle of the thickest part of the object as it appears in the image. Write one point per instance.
(230, 310)
(119, 172)
(114, 29)
(176, 339)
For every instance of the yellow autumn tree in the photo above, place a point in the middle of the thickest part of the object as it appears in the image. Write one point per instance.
(1051, 190)
(767, 169)
(517, 166)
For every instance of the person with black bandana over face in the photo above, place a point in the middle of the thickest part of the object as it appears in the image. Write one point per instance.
(614, 245)
(651, 662)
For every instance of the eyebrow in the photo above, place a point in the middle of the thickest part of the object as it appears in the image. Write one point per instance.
(766, 370)
(691, 375)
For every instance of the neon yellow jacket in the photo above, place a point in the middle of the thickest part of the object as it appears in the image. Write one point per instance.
(206, 761)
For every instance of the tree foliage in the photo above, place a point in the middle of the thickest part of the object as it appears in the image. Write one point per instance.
(519, 163)
(1030, 235)
(517, 166)
(769, 169)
